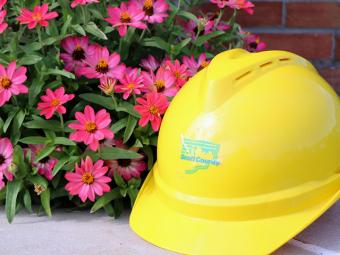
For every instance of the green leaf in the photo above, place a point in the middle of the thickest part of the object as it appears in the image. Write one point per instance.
(105, 199)
(59, 165)
(28, 201)
(29, 60)
(9, 120)
(29, 48)
(119, 180)
(17, 122)
(204, 38)
(188, 15)
(37, 179)
(63, 141)
(149, 154)
(100, 100)
(44, 152)
(34, 140)
(133, 192)
(181, 45)
(97, 14)
(12, 191)
(111, 153)
(19, 161)
(120, 124)
(66, 25)
(156, 42)
(127, 107)
(109, 210)
(131, 124)
(34, 90)
(125, 43)
(45, 201)
(60, 72)
(44, 124)
(79, 29)
(94, 30)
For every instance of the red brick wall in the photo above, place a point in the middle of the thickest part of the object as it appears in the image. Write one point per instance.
(310, 28)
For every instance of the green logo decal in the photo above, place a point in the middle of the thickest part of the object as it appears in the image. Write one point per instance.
(204, 153)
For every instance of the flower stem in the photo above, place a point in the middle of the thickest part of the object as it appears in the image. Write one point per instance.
(114, 100)
(61, 123)
(219, 17)
(83, 13)
(99, 151)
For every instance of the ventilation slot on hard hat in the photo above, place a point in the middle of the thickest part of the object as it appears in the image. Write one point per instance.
(284, 59)
(266, 64)
(242, 75)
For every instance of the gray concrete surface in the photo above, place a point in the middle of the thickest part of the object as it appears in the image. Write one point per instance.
(81, 233)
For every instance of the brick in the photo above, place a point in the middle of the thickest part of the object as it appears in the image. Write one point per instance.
(311, 46)
(313, 15)
(337, 48)
(332, 75)
(267, 14)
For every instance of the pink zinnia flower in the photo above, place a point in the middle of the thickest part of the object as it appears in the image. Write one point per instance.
(178, 71)
(53, 101)
(91, 127)
(82, 2)
(11, 82)
(151, 108)
(154, 10)
(76, 49)
(241, 4)
(88, 179)
(127, 168)
(127, 15)
(150, 63)
(193, 66)
(44, 166)
(2, 3)
(6, 157)
(254, 44)
(220, 3)
(3, 24)
(101, 64)
(40, 15)
(162, 82)
(131, 83)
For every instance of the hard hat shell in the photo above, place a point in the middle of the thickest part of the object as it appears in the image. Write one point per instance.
(248, 156)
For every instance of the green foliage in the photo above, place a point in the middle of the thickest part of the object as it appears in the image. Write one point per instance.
(39, 50)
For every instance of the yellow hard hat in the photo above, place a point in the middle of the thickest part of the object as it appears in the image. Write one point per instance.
(248, 156)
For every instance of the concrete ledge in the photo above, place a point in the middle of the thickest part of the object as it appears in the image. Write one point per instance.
(80, 233)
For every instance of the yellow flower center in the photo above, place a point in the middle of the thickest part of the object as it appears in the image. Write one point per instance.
(5, 82)
(131, 85)
(125, 17)
(90, 126)
(148, 7)
(177, 74)
(160, 85)
(55, 102)
(203, 65)
(153, 110)
(87, 178)
(37, 16)
(102, 66)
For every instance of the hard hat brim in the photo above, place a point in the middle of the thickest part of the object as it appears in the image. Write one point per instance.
(161, 225)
